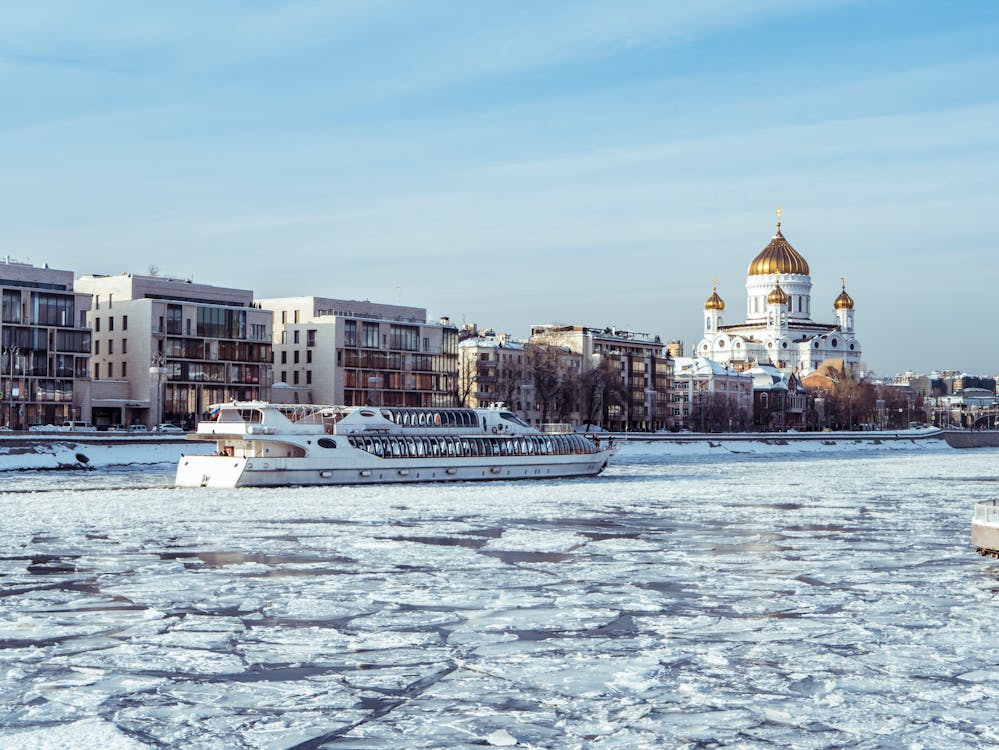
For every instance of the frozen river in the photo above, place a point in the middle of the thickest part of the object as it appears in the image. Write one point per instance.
(804, 601)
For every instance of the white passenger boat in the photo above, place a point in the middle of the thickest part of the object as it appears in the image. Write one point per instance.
(262, 444)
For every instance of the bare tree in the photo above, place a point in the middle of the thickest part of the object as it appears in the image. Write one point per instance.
(550, 368)
(600, 388)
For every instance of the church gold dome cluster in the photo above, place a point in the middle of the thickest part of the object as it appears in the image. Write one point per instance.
(777, 296)
(778, 329)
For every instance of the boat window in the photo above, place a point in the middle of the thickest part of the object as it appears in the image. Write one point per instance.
(410, 447)
(423, 419)
(326, 443)
(510, 417)
(396, 451)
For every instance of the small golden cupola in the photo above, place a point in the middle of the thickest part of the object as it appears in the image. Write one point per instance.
(777, 296)
(778, 257)
(714, 302)
(844, 301)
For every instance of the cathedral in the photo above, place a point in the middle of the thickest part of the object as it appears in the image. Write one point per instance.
(778, 329)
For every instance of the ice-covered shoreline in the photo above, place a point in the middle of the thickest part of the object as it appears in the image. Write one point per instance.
(50, 452)
(22, 453)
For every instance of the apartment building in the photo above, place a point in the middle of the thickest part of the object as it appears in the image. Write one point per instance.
(630, 371)
(710, 397)
(354, 352)
(45, 351)
(165, 349)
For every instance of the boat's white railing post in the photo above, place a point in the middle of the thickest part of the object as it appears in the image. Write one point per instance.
(987, 511)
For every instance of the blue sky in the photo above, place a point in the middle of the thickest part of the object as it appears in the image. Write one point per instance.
(520, 162)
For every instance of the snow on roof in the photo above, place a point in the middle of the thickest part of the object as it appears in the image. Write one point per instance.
(490, 343)
(768, 378)
(702, 366)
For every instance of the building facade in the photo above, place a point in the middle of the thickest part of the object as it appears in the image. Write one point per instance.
(165, 350)
(493, 369)
(779, 401)
(626, 376)
(778, 329)
(44, 347)
(710, 397)
(352, 352)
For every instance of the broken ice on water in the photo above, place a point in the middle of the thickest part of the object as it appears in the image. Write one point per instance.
(812, 600)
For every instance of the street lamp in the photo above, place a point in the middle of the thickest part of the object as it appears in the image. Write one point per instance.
(12, 352)
(157, 370)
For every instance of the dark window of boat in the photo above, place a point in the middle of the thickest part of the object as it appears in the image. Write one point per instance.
(326, 443)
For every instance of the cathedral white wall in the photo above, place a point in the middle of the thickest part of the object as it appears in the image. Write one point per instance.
(797, 286)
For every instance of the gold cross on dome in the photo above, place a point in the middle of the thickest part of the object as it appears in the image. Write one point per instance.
(843, 279)
(779, 212)
(714, 282)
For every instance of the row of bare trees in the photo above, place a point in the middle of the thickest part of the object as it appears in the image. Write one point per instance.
(551, 380)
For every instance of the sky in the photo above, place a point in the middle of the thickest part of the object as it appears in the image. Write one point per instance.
(513, 163)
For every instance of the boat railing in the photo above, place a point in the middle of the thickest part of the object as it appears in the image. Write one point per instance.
(987, 511)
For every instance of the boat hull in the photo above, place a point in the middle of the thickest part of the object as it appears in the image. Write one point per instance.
(225, 471)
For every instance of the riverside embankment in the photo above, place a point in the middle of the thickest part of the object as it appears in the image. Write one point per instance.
(39, 451)
(33, 451)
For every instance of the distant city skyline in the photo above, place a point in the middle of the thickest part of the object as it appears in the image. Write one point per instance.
(520, 164)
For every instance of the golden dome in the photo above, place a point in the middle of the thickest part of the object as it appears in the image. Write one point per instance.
(844, 301)
(777, 296)
(714, 302)
(778, 257)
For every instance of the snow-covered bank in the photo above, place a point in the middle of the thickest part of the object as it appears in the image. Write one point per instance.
(20, 454)
(815, 443)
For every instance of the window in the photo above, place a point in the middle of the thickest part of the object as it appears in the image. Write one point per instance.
(174, 316)
(284, 376)
(406, 338)
(350, 333)
(97, 372)
(110, 322)
(284, 317)
(110, 346)
(110, 370)
(308, 357)
(426, 344)
(221, 323)
(296, 336)
(296, 316)
(97, 325)
(97, 348)
(369, 335)
(295, 353)
(124, 322)
(294, 376)
(310, 337)
(284, 357)
(124, 346)
(124, 369)
(308, 377)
